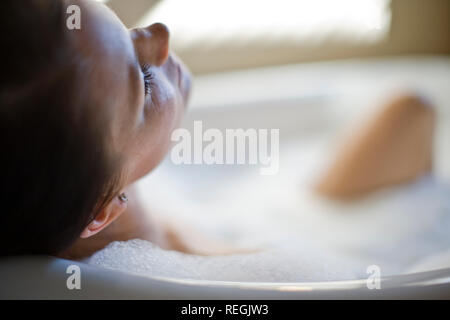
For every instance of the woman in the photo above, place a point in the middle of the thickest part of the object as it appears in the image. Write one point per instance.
(84, 113)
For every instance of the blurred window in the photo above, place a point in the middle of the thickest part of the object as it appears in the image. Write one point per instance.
(218, 22)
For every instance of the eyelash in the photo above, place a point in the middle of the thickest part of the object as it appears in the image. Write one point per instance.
(148, 78)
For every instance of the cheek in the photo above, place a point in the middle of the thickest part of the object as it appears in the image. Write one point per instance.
(153, 137)
(164, 115)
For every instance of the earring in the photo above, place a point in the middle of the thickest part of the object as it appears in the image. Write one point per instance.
(123, 197)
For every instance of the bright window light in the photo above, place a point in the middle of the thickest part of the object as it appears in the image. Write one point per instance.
(210, 22)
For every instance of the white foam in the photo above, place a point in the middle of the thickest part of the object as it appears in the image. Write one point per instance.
(395, 230)
(281, 265)
(436, 261)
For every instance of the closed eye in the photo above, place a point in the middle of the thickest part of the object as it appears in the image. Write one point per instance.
(148, 78)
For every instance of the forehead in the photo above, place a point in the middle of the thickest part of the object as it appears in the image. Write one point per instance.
(109, 60)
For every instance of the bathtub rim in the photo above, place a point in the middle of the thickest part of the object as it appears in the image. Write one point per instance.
(44, 277)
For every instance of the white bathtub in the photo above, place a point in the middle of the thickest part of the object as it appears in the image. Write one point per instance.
(306, 103)
(46, 277)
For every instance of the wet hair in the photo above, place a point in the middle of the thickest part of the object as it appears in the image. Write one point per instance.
(57, 171)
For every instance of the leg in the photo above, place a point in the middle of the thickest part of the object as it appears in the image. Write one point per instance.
(393, 147)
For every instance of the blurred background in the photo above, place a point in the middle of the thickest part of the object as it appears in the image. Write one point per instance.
(215, 35)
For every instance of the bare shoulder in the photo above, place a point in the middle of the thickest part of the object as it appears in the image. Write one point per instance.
(140, 222)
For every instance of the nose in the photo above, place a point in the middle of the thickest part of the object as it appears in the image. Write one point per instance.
(151, 43)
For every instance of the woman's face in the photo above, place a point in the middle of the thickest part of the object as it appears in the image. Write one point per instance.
(141, 88)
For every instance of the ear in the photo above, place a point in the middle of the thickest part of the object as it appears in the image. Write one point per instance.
(110, 213)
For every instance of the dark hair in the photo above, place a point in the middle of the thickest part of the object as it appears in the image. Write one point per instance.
(57, 170)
